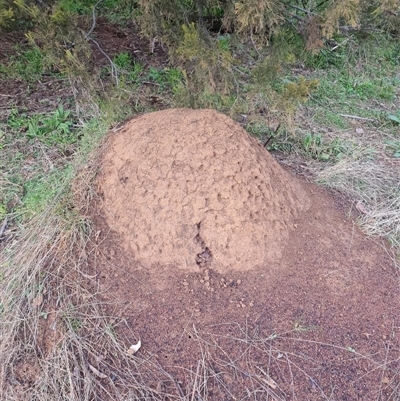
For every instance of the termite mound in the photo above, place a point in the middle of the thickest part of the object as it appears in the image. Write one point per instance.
(191, 189)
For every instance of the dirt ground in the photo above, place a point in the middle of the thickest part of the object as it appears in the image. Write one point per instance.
(319, 323)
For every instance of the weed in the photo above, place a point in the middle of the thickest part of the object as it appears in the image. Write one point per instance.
(393, 147)
(54, 130)
(170, 78)
(123, 60)
(395, 119)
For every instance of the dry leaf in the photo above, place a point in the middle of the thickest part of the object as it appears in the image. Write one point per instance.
(134, 348)
(97, 372)
(361, 208)
(37, 301)
(386, 380)
(268, 381)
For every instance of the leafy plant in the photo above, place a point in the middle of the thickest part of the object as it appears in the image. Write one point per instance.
(394, 148)
(166, 78)
(53, 130)
(395, 119)
(123, 60)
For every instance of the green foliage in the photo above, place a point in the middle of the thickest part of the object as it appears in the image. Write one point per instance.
(26, 65)
(166, 78)
(395, 119)
(52, 130)
(208, 64)
(123, 60)
(57, 41)
(6, 14)
(393, 148)
(3, 211)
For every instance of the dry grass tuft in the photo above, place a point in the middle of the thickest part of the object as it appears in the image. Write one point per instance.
(375, 186)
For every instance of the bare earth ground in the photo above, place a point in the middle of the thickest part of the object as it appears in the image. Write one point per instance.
(329, 308)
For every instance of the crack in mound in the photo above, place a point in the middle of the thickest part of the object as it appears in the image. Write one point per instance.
(204, 258)
(191, 188)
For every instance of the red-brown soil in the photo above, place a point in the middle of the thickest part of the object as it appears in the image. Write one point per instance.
(318, 321)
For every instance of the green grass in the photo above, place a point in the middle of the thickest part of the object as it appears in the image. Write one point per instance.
(329, 119)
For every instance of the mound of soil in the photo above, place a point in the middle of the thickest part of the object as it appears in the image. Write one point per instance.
(283, 297)
(191, 188)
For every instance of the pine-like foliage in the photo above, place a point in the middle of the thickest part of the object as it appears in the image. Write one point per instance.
(207, 62)
(6, 14)
(257, 16)
(346, 12)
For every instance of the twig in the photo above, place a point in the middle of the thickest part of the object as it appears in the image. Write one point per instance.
(338, 45)
(94, 19)
(301, 9)
(356, 117)
(114, 68)
(254, 45)
(3, 226)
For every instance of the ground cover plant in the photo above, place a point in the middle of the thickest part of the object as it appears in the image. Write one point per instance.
(318, 83)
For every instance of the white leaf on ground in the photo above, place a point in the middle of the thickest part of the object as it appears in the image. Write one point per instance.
(97, 372)
(361, 208)
(134, 348)
(268, 381)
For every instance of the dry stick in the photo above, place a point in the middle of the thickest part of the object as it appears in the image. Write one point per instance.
(114, 69)
(3, 226)
(356, 117)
